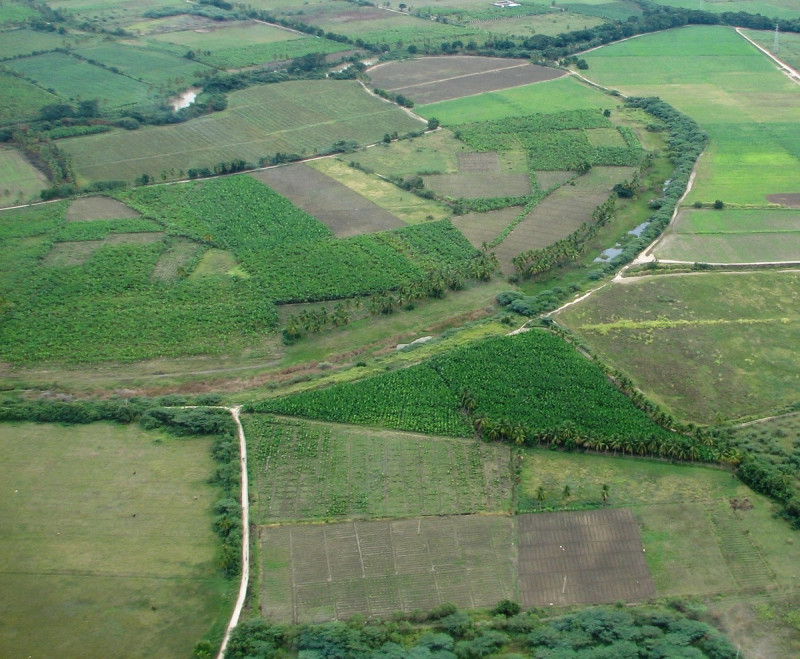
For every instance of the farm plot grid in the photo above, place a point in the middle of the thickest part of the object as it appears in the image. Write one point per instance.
(435, 79)
(314, 573)
(587, 557)
(345, 212)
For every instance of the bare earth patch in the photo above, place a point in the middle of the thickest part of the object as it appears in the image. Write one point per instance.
(343, 211)
(173, 262)
(479, 186)
(71, 253)
(434, 79)
(587, 557)
(550, 179)
(85, 209)
(790, 199)
(332, 571)
(478, 162)
(140, 238)
(481, 228)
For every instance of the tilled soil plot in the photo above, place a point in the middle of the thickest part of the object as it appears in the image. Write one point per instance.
(586, 557)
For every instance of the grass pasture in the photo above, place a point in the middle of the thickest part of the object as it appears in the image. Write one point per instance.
(749, 109)
(732, 236)
(72, 78)
(713, 347)
(107, 546)
(437, 79)
(550, 24)
(14, 43)
(12, 13)
(303, 117)
(306, 470)
(564, 93)
(788, 45)
(314, 573)
(19, 180)
(21, 99)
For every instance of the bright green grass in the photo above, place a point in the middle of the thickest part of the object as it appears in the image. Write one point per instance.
(155, 67)
(771, 8)
(21, 99)
(107, 547)
(710, 347)
(788, 45)
(25, 42)
(304, 470)
(15, 12)
(551, 96)
(733, 91)
(295, 117)
(72, 79)
(19, 180)
(733, 236)
(695, 543)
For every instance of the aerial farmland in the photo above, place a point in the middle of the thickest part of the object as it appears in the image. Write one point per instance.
(368, 329)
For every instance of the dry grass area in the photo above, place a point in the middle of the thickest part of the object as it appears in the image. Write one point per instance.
(481, 228)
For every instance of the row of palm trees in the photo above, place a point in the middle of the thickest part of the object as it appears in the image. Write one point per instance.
(434, 284)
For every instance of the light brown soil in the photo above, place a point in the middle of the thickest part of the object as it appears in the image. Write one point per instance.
(86, 209)
(790, 199)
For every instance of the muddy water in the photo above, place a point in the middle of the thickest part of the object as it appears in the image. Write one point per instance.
(184, 99)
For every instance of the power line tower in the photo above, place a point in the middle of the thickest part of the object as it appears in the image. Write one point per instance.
(775, 44)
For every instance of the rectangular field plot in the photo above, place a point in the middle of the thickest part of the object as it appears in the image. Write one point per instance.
(586, 557)
(732, 236)
(561, 213)
(321, 572)
(481, 228)
(479, 185)
(342, 210)
(294, 117)
(19, 180)
(309, 470)
(436, 79)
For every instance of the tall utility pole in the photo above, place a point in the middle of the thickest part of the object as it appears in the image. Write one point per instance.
(775, 44)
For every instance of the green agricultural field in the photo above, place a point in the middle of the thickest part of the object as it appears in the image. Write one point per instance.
(711, 347)
(749, 109)
(244, 44)
(19, 180)
(549, 24)
(24, 42)
(22, 99)
(72, 78)
(732, 236)
(306, 116)
(501, 376)
(551, 96)
(771, 8)
(155, 67)
(107, 544)
(12, 12)
(306, 470)
(432, 152)
(788, 45)
(696, 543)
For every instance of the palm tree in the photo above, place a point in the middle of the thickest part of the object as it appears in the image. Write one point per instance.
(540, 496)
(604, 491)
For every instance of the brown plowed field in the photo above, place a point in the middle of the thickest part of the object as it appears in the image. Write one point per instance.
(342, 210)
(586, 557)
(434, 79)
(479, 186)
(84, 209)
(792, 200)
(481, 228)
(332, 571)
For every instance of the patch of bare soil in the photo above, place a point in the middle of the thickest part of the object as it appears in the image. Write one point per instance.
(790, 199)
(87, 209)
(475, 163)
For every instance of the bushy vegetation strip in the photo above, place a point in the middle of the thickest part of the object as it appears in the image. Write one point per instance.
(642, 631)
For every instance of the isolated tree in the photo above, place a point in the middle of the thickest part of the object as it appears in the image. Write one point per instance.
(604, 491)
(540, 496)
(566, 494)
